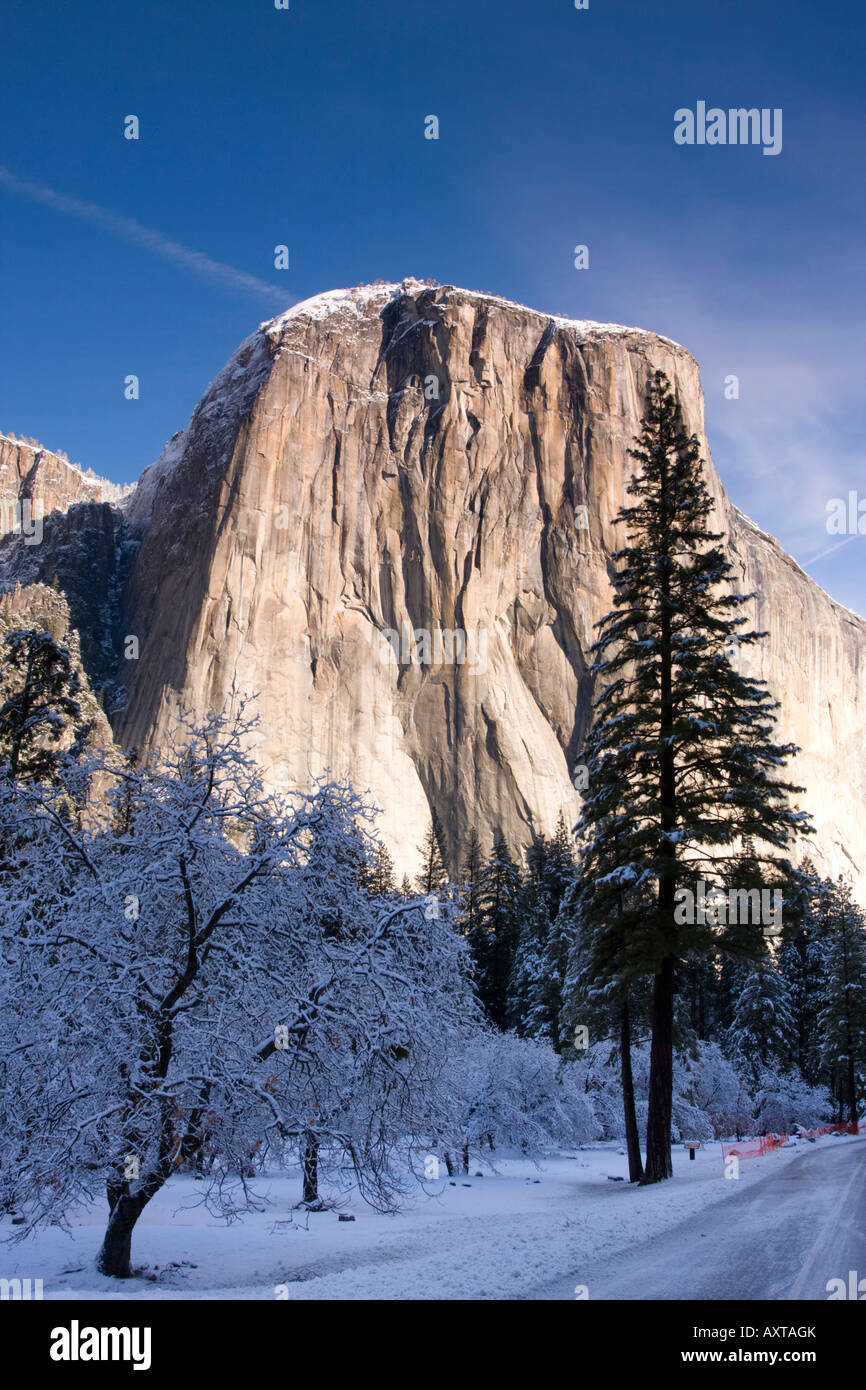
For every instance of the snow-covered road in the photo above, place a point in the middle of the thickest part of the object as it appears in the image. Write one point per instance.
(793, 1220)
(783, 1237)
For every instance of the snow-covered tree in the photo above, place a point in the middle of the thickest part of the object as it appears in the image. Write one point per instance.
(493, 938)
(379, 878)
(530, 991)
(761, 1033)
(516, 1093)
(801, 961)
(470, 885)
(783, 1100)
(598, 1073)
(681, 764)
(544, 938)
(710, 1083)
(433, 874)
(206, 975)
(842, 1020)
(38, 686)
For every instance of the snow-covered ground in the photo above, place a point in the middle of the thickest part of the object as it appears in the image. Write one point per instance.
(506, 1235)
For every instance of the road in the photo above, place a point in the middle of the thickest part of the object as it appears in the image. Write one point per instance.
(781, 1238)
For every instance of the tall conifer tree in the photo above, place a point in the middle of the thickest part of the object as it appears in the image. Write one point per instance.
(802, 962)
(842, 1020)
(682, 766)
(433, 873)
(762, 1032)
(493, 940)
(545, 938)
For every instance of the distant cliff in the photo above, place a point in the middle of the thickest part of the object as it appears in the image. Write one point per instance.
(60, 525)
(46, 481)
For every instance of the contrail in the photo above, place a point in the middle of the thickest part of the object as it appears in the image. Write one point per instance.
(829, 551)
(145, 237)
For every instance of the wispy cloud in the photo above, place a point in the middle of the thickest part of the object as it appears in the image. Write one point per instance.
(149, 240)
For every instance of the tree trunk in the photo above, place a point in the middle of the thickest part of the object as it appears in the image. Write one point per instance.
(448, 1164)
(658, 1130)
(114, 1257)
(635, 1166)
(310, 1169)
(466, 1158)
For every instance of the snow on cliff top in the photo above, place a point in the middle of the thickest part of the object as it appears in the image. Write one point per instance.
(363, 298)
(231, 392)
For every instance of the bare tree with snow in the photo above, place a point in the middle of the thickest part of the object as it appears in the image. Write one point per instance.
(202, 972)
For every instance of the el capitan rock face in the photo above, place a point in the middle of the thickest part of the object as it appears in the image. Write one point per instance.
(434, 459)
(403, 458)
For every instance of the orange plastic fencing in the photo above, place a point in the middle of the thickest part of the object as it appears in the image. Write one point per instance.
(848, 1127)
(765, 1143)
(754, 1148)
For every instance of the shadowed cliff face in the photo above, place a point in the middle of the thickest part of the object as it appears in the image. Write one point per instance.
(432, 461)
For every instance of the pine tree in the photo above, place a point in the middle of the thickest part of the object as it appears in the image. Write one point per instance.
(802, 961)
(494, 938)
(124, 805)
(710, 982)
(41, 685)
(470, 886)
(545, 938)
(842, 1020)
(433, 875)
(682, 767)
(528, 1011)
(761, 1033)
(378, 877)
(698, 997)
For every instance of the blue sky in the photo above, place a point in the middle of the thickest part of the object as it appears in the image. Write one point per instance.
(306, 127)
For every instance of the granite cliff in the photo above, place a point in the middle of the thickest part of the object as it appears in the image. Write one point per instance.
(390, 517)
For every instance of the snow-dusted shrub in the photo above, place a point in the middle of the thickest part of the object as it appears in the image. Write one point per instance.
(710, 1084)
(784, 1100)
(709, 1099)
(517, 1093)
(598, 1073)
